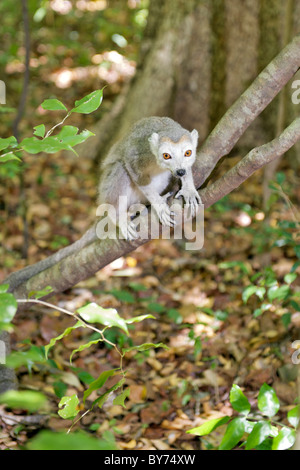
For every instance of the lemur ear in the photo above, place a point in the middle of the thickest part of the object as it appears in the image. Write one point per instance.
(154, 143)
(194, 136)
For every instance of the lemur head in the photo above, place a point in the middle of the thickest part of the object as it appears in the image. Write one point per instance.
(175, 156)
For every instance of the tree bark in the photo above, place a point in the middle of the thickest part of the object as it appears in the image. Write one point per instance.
(196, 59)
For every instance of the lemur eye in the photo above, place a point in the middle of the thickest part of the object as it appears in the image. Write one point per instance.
(167, 156)
(188, 153)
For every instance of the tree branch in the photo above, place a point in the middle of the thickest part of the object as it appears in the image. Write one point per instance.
(246, 109)
(87, 256)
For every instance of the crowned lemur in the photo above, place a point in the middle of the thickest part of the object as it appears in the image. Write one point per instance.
(141, 165)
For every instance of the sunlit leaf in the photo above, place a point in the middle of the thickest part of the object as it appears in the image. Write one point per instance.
(209, 426)
(138, 319)
(279, 293)
(293, 416)
(290, 277)
(89, 103)
(285, 439)
(259, 433)
(8, 307)
(250, 290)
(69, 407)
(238, 400)
(267, 401)
(93, 313)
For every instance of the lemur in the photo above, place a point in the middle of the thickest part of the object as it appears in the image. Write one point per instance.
(140, 167)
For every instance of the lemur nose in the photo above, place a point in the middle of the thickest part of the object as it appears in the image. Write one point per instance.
(180, 172)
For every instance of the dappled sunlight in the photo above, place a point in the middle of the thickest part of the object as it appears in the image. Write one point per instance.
(112, 68)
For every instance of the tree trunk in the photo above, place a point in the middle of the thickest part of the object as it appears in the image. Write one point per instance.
(196, 59)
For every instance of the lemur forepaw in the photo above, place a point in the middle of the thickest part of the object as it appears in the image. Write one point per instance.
(165, 215)
(128, 231)
(191, 199)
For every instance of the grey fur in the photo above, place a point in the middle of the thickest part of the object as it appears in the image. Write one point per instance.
(135, 168)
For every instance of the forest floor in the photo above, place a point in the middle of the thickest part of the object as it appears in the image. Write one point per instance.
(214, 339)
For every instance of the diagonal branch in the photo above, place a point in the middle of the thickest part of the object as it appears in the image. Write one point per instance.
(87, 256)
(247, 108)
(256, 159)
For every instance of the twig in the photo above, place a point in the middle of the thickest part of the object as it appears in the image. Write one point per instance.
(67, 312)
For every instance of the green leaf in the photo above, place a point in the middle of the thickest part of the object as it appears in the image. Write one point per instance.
(26, 358)
(99, 382)
(290, 277)
(102, 399)
(175, 316)
(267, 401)
(155, 307)
(293, 416)
(48, 145)
(250, 290)
(4, 288)
(8, 142)
(138, 319)
(209, 426)
(238, 400)
(67, 131)
(69, 407)
(38, 294)
(120, 399)
(93, 313)
(53, 105)
(84, 346)
(8, 307)
(25, 400)
(32, 145)
(8, 157)
(73, 140)
(89, 103)
(258, 434)
(233, 434)
(286, 319)
(285, 439)
(79, 440)
(123, 295)
(279, 293)
(145, 347)
(280, 177)
(67, 331)
(40, 130)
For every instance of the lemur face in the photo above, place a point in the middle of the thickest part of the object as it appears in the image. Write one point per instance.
(175, 156)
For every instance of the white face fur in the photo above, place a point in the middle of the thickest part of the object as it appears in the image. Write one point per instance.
(175, 156)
